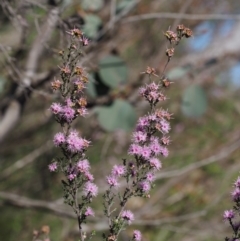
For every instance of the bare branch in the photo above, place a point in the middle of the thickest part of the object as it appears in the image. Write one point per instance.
(12, 112)
(221, 155)
(26, 160)
(186, 16)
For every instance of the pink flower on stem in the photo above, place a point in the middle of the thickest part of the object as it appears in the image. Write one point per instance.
(145, 186)
(68, 113)
(128, 216)
(90, 189)
(112, 181)
(59, 139)
(56, 108)
(52, 167)
(137, 235)
(83, 166)
(89, 212)
(228, 214)
(118, 170)
(155, 163)
(135, 149)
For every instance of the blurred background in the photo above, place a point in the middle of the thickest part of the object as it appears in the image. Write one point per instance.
(193, 188)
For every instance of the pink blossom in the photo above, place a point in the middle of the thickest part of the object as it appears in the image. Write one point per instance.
(68, 113)
(52, 167)
(236, 194)
(75, 143)
(146, 152)
(164, 151)
(118, 170)
(155, 163)
(89, 212)
(228, 214)
(139, 136)
(69, 102)
(143, 121)
(112, 181)
(237, 183)
(89, 176)
(165, 126)
(155, 148)
(128, 216)
(150, 177)
(137, 235)
(135, 149)
(144, 186)
(83, 166)
(90, 189)
(56, 108)
(71, 176)
(85, 41)
(59, 139)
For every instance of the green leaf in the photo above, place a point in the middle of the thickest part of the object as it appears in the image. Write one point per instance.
(91, 90)
(194, 101)
(91, 26)
(2, 84)
(113, 71)
(177, 73)
(92, 5)
(123, 5)
(120, 115)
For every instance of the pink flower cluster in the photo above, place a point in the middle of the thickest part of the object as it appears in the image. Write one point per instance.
(232, 215)
(117, 171)
(151, 93)
(128, 216)
(72, 142)
(146, 147)
(67, 113)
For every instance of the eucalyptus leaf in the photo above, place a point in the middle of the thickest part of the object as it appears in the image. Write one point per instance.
(2, 84)
(91, 90)
(124, 4)
(92, 5)
(194, 101)
(92, 25)
(112, 71)
(177, 73)
(120, 115)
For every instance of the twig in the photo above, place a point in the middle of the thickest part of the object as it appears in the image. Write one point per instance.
(221, 155)
(186, 16)
(26, 160)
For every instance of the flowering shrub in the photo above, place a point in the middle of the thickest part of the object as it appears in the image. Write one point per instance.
(231, 215)
(149, 142)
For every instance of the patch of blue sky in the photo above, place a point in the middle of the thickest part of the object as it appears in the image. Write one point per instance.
(235, 75)
(225, 28)
(203, 36)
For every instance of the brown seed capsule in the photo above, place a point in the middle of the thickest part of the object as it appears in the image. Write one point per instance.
(45, 229)
(111, 237)
(166, 83)
(82, 102)
(79, 71)
(56, 84)
(180, 27)
(170, 52)
(187, 32)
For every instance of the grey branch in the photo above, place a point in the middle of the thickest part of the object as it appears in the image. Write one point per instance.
(186, 16)
(13, 110)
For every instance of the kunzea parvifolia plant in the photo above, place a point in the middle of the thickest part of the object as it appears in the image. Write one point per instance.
(150, 140)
